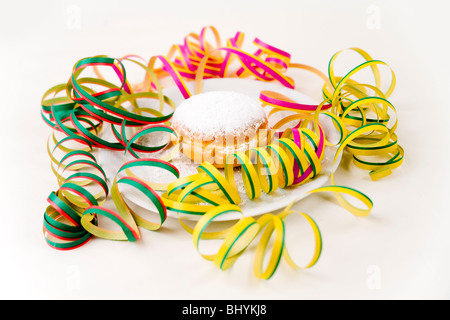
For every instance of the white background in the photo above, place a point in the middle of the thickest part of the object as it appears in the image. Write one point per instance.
(401, 251)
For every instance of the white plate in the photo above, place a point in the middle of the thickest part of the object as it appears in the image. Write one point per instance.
(279, 199)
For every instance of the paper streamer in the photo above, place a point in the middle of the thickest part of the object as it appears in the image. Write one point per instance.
(78, 115)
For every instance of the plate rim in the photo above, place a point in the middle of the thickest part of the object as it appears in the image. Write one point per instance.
(274, 206)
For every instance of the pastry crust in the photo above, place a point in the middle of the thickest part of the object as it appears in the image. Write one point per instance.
(216, 150)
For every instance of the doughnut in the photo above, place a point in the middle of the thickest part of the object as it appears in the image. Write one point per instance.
(212, 125)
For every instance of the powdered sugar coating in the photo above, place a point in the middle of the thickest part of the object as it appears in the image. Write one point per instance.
(218, 113)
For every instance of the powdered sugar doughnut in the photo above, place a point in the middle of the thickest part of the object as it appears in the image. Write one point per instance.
(213, 124)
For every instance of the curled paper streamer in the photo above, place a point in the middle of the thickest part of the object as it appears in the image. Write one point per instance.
(238, 237)
(78, 114)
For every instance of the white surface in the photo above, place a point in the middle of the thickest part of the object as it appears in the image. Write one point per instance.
(400, 251)
(250, 89)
